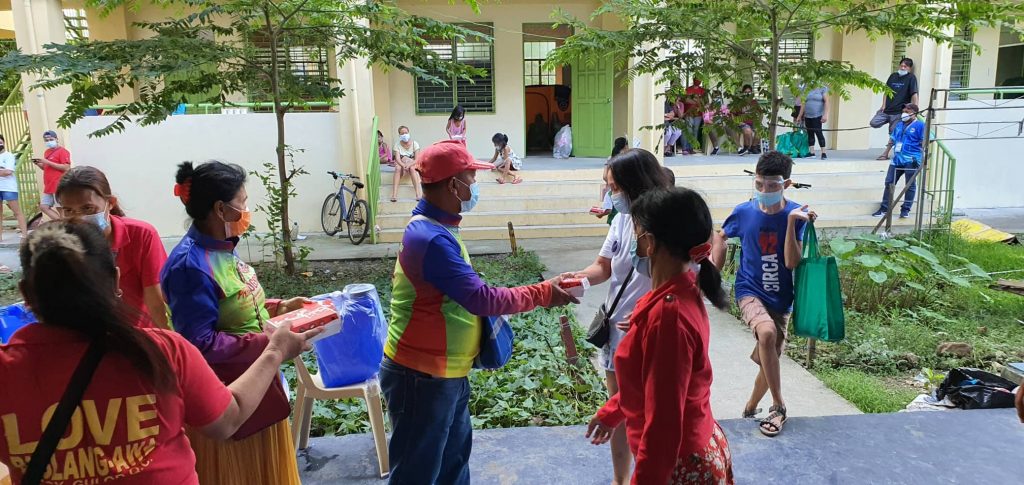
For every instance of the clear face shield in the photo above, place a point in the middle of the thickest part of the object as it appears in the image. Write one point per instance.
(768, 191)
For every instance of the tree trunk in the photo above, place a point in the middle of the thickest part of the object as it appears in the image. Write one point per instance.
(773, 115)
(282, 167)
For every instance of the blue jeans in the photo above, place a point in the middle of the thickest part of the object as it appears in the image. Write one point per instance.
(692, 128)
(892, 177)
(432, 435)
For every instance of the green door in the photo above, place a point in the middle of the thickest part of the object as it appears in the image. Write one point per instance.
(592, 108)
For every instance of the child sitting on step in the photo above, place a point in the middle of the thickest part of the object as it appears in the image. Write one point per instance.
(505, 160)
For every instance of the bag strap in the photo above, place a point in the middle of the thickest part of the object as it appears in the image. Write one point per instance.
(810, 241)
(62, 416)
(622, 289)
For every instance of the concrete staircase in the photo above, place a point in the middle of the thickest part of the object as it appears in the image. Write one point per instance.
(555, 202)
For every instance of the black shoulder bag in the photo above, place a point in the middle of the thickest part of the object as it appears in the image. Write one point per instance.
(600, 329)
(62, 416)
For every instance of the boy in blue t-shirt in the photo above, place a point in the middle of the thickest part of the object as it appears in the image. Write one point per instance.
(770, 229)
(909, 138)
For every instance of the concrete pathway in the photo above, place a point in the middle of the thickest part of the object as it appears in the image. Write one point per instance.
(731, 344)
(925, 448)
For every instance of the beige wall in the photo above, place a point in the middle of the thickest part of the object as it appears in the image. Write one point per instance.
(509, 98)
(983, 65)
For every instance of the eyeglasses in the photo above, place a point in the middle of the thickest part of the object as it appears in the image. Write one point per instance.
(769, 184)
(88, 210)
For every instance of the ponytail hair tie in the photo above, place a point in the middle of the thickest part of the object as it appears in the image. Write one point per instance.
(183, 191)
(699, 254)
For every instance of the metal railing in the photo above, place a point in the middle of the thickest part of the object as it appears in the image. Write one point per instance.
(15, 128)
(373, 181)
(228, 108)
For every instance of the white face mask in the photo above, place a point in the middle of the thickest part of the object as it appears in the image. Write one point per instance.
(906, 116)
(405, 138)
(903, 72)
(51, 144)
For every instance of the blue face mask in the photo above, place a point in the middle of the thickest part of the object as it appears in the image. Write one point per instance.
(99, 219)
(620, 203)
(768, 199)
(642, 264)
(474, 196)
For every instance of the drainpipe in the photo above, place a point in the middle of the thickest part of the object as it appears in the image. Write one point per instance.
(30, 21)
(356, 125)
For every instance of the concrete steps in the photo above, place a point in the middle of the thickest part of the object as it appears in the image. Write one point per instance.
(555, 203)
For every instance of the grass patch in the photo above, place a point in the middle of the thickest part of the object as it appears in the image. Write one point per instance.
(536, 388)
(869, 393)
(9, 293)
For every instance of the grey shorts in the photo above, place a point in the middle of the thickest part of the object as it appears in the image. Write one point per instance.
(48, 200)
(881, 118)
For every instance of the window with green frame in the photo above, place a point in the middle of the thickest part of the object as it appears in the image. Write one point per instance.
(476, 95)
(899, 51)
(534, 55)
(76, 26)
(307, 66)
(960, 67)
(794, 48)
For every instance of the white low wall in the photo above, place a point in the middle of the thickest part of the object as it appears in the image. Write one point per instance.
(141, 161)
(988, 172)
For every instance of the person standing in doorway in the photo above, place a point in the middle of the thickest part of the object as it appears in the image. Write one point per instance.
(908, 138)
(434, 333)
(456, 127)
(56, 160)
(693, 110)
(903, 84)
(814, 113)
(770, 229)
(9, 185)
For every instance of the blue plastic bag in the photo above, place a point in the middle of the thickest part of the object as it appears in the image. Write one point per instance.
(12, 318)
(354, 354)
(496, 343)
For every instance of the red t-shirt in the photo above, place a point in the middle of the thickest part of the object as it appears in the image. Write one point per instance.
(122, 430)
(140, 255)
(664, 376)
(51, 176)
(691, 105)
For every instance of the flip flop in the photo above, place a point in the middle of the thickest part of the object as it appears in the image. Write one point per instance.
(516, 181)
(501, 181)
(882, 157)
(768, 427)
(394, 199)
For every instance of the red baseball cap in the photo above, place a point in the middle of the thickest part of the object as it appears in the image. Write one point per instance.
(445, 159)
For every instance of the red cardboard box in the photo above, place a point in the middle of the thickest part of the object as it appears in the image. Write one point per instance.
(311, 315)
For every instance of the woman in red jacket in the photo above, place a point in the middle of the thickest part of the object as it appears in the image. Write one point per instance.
(664, 372)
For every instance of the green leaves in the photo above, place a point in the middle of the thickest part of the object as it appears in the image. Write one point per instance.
(878, 276)
(924, 254)
(869, 260)
(841, 246)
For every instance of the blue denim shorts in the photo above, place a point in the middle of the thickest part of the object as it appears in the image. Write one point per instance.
(8, 196)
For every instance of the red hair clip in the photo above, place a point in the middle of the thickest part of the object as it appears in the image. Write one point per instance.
(700, 253)
(183, 191)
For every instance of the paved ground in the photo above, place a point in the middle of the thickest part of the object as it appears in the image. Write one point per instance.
(926, 448)
(1007, 219)
(731, 344)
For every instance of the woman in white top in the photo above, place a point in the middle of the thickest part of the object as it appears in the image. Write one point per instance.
(405, 158)
(630, 174)
(504, 159)
(9, 184)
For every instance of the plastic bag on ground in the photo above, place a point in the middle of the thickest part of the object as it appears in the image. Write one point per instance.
(563, 142)
(976, 389)
(354, 354)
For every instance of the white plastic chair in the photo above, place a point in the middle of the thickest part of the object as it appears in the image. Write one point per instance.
(311, 386)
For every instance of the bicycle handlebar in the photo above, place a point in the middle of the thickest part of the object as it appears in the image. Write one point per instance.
(337, 175)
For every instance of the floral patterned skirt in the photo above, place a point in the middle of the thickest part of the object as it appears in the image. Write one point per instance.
(712, 466)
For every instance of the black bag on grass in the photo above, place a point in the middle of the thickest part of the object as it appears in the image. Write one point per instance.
(976, 389)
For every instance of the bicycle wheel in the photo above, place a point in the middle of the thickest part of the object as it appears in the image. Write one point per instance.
(330, 215)
(358, 222)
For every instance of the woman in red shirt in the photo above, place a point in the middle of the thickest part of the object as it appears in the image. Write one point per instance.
(664, 372)
(149, 383)
(84, 192)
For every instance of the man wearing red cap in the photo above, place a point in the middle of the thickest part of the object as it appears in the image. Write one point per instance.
(434, 333)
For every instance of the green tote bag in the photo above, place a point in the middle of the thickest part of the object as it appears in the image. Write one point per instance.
(818, 306)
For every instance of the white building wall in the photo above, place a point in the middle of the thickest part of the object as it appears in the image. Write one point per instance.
(140, 163)
(988, 172)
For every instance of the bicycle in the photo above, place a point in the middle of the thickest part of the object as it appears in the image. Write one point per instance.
(355, 214)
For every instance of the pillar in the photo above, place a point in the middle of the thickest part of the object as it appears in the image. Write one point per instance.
(37, 23)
